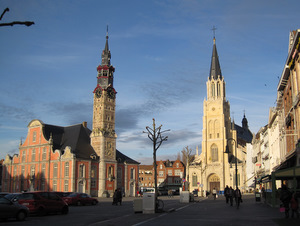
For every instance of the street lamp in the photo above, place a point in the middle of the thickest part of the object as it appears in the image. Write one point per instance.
(227, 152)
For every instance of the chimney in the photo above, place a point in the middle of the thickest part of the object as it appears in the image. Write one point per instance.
(84, 124)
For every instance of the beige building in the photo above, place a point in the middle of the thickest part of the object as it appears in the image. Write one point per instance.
(214, 168)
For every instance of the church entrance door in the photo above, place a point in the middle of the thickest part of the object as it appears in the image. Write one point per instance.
(214, 182)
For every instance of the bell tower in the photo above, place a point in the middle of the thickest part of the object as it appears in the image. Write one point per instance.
(103, 136)
(217, 128)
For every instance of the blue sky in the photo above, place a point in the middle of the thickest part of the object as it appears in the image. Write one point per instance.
(161, 51)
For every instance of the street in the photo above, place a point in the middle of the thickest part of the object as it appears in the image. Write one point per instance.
(205, 211)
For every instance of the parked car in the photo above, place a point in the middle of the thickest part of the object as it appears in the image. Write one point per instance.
(42, 203)
(9, 209)
(2, 194)
(12, 196)
(63, 194)
(80, 199)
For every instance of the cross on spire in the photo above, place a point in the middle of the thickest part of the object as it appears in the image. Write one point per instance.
(214, 30)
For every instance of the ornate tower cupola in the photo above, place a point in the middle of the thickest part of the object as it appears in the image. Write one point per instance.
(105, 76)
(245, 122)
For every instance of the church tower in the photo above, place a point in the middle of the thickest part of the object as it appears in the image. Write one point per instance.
(103, 136)
(217, 129)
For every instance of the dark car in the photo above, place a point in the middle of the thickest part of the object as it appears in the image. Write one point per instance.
(2, 194)
(12, 196)
(80, 199)
(42, 203)
(62, 194)
(9, 209)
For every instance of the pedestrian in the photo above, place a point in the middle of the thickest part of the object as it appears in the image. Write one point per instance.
(285, 198)
(238, 197)
(231, 191)
(115, 198)
(119, 196)
(170, 193)
(214, 192)
(226, 193)
(263, 191)
(294, 205)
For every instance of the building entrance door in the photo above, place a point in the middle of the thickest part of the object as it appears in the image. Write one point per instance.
(214, 182)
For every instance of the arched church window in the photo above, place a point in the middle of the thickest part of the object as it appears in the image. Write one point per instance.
(194, 180)
(213, 89)
(214, 153)
(218, 89)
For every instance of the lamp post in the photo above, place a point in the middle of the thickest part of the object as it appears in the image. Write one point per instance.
(227, 152)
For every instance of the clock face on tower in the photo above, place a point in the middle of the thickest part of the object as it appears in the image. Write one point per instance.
(98, 93)
(111, 93)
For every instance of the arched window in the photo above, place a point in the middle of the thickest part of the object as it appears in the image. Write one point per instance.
(214, 153)
(218, 89)
(194, 180)
(213, 89)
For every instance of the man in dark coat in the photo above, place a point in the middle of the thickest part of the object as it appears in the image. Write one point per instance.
(119, 196)
(238, 197)
(285, 198)
(226, 193)
(231, 193)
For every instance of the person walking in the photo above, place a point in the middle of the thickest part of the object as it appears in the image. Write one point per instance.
(238, 197)
(119, 197)
(285, 198)
(231, 191)
(294, 205)
(226, 193)
(115, 198)
(214, 192)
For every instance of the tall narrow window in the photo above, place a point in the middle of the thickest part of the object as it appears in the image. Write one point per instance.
(43, 173)
(81, 171)
(44, 154)
(66, 185)
(214, 153)
(34, 136)
(218, 89)
(194, 180)
(212, 89)
(33, 155)
(67, 169)
(23, 156)
(54, 185)
(55, 170)
(132, 174)
(32, 171)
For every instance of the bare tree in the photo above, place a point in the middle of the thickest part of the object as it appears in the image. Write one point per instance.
(187, 157)
(27, 23)
(155, 135)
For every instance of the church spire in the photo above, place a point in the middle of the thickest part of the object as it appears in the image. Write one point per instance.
(215, 69)
(106, 52)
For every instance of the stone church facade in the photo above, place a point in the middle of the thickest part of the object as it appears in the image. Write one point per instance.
(214, 167)
(75, 158)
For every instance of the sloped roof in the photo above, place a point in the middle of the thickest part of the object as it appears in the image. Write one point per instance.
(78, 138)
(122, 158)
(75, 136)
(243, 133)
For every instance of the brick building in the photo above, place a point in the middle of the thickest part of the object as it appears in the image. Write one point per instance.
(75, 158)
(169, 175)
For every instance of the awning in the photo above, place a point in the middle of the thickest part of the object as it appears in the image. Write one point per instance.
(288, 173)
